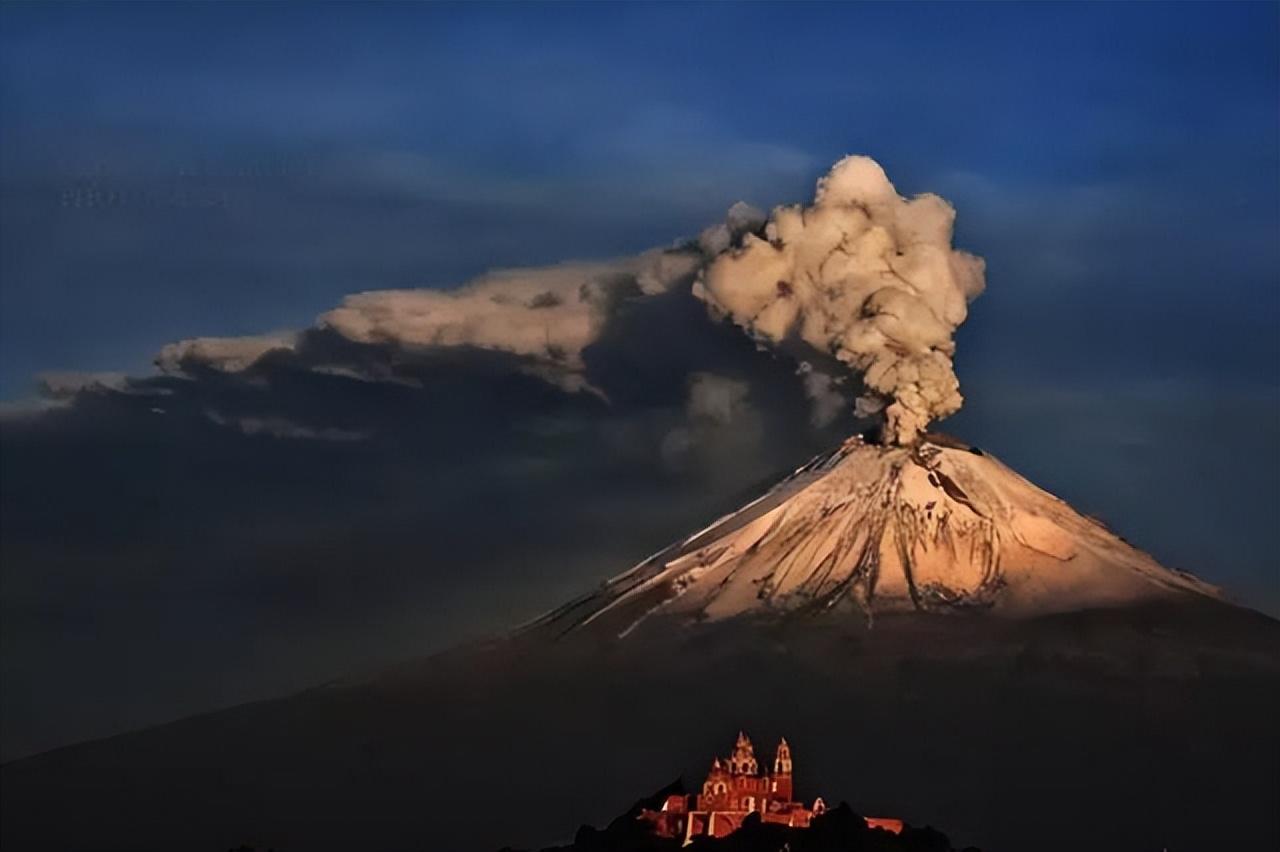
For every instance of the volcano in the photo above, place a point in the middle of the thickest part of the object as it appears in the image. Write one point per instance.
(935, 527)
(938, 638)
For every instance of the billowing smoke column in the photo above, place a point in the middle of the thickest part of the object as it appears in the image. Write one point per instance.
(864, 275)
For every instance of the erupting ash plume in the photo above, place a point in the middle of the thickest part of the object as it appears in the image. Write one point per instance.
(864, 275)
(224, 354)
(548, 315)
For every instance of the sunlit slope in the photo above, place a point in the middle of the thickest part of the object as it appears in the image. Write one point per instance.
(869, 529)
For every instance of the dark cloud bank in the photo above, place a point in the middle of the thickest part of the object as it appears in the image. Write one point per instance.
(237, 526)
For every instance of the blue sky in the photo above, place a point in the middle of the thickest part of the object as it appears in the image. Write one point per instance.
(1106, 159)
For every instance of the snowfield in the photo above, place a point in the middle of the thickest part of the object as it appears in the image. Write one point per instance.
(871, 528)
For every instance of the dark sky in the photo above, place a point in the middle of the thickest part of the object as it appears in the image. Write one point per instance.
(171, 171)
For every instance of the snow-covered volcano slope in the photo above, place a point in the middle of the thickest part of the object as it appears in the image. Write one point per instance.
(935, 527)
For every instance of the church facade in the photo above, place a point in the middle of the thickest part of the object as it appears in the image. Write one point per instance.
(734, 788)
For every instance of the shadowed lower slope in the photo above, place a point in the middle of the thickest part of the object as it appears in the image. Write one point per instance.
(1149, 727)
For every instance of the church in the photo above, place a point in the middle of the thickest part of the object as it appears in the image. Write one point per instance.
(735, 787)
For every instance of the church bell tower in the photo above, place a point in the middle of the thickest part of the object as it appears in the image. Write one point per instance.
(781, 785)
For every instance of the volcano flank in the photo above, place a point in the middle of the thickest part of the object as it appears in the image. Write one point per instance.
(936, 527)
(940, 640)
